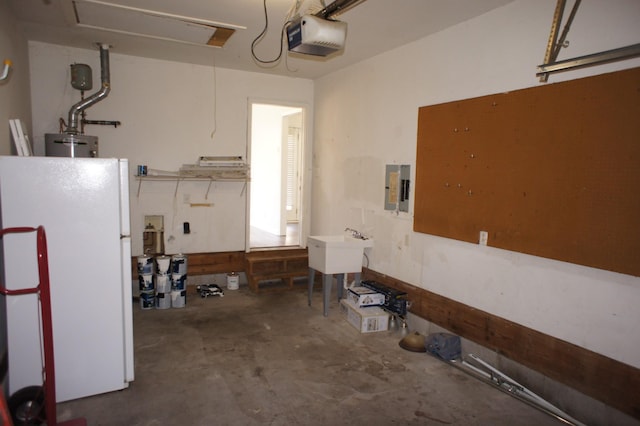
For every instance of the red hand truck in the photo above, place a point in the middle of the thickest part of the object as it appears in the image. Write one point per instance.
(37, 404)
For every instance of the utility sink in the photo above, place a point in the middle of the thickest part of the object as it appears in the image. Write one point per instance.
(336, 254)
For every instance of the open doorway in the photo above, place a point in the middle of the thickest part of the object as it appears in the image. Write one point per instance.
(275, 153)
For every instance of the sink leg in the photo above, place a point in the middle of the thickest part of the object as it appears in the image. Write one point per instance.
(312, 275)
(327, 281)
(340, 278)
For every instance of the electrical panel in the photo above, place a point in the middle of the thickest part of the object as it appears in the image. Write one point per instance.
(397, 186)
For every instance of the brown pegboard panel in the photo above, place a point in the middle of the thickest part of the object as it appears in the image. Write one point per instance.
(552, 171)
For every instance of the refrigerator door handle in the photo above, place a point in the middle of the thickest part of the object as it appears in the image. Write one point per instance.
(127, 306)
(125, 225)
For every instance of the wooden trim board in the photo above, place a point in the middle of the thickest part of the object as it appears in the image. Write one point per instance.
(206, 263)
(612, 382)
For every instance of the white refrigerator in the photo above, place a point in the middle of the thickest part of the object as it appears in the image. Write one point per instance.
(83, 204)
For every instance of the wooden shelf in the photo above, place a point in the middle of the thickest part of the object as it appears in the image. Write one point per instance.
(279, 265)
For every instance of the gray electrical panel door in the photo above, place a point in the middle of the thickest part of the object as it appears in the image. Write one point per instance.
(396, 190)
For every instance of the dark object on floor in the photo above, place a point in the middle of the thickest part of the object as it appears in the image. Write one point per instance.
(210, 290)
(413, 342)
(27, 406)
(443, 345)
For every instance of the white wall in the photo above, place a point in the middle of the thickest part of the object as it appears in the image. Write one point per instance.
(358, 130)
(171, 114)
(14, 91)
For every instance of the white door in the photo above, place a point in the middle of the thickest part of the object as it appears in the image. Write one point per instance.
(268, 156)
(293, 141)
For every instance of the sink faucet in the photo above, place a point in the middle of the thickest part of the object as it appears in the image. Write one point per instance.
(355, 234)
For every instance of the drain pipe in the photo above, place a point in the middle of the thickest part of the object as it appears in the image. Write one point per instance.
(72, 127)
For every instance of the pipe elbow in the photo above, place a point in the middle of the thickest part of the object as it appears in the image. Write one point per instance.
(5, 71)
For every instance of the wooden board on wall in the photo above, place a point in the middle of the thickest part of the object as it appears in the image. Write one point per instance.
(588, 372)
(552, 171)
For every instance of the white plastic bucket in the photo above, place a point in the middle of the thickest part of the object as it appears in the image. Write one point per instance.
(179, 264)
(163, 283)
(146, 282)
(178, 282)
(163, 264)
(233, 281)
(145, 264)
(147, 300)
(178, 298)
(163, 300)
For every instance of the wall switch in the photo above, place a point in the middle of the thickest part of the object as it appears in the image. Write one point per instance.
(186, 228)
(484, 237)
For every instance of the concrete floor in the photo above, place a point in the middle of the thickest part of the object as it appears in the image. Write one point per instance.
(269, 359)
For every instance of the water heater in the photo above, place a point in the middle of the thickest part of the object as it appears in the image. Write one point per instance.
(72, 142)
(69, 145)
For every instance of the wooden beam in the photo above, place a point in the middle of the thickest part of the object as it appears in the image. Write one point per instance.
(206, 263)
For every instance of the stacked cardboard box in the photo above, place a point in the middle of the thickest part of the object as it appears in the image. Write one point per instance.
(363, 297)
(366, 320)
(394, 300)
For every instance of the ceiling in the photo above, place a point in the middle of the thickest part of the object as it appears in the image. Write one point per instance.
(374, 26)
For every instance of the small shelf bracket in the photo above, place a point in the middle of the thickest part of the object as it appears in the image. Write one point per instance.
(206, 196)
(175, 193)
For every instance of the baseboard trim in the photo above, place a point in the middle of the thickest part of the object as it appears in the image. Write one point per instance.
(205, 263)
(612, 382)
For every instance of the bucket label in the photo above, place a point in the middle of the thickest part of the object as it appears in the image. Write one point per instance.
(179, 264)
(146, 282)
(147, 300)
(145, 265)
(178, 282)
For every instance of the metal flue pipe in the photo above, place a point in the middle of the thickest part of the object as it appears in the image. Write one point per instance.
(74, 112)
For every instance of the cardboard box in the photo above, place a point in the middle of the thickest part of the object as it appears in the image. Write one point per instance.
(395, 300)
(366, 320)
(363, 296)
